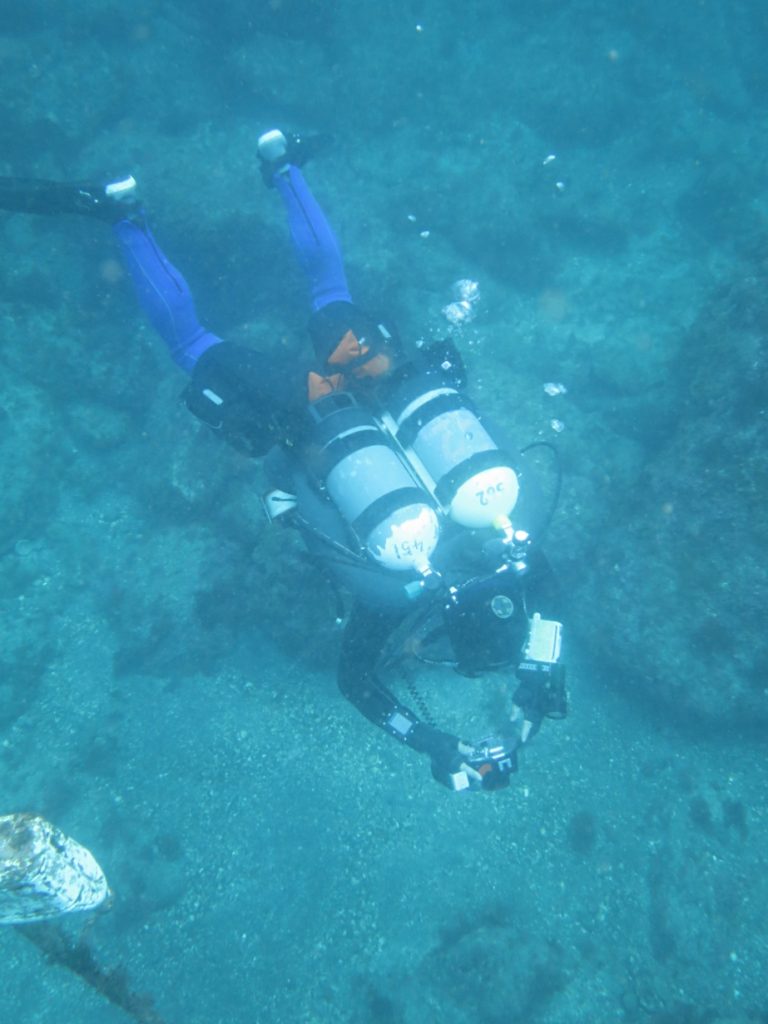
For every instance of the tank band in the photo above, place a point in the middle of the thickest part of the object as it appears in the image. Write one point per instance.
(341, 447)
(413, 397)
(448, 485)
(430, 410)
(379, 510)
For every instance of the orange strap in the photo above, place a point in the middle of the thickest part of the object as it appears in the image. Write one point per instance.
(319, 386)
(348, 349)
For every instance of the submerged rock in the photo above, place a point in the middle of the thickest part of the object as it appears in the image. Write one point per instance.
(682, 573)
(44, 873)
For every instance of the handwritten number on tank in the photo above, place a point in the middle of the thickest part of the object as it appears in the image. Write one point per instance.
(485, 496)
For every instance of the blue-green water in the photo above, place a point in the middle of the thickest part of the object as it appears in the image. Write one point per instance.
(167, 690)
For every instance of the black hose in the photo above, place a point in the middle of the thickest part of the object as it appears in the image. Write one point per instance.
(344, 555)
(547, 520)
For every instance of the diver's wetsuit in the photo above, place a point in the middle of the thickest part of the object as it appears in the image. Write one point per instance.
(167, 301)
(164, 295)
(266, 400)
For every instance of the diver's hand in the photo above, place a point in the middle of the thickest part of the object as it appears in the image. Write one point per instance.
(450, 766)
(474, 776)
(449, 756)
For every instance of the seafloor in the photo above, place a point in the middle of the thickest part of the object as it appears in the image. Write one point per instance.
(167, 688)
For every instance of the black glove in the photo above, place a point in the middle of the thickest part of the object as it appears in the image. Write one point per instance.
(488, 766)
(447, 753)
(448, 761)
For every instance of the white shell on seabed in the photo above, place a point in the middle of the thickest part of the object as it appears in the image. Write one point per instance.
(553, 388)
(44, 873)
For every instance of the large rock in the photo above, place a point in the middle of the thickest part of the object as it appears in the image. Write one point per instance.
(682, 579)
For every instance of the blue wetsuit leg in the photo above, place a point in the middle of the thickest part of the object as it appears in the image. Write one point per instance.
(163, 295)
(316, 246)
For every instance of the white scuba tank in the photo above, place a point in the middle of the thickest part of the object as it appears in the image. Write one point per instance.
(470, 477)
(387, 510)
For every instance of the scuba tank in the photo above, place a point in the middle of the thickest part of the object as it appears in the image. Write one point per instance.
(358, 465)
(458, 461)
(385, 477)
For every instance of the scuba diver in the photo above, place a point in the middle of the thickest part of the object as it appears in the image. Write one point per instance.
(378, 458)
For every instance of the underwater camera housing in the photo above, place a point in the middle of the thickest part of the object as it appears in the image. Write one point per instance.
(486, 622)
(542, 692)
(494, 759)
